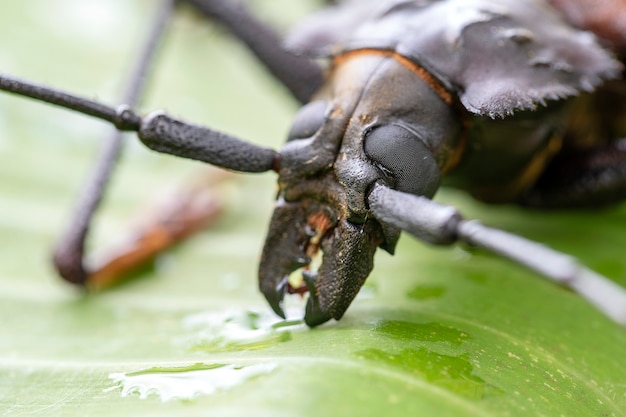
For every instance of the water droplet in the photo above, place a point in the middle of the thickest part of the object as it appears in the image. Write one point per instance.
(425, 292)
(423, 332)
(453, 373)
(239, 330)
(442, 360)
(188, 382)
(479, 277)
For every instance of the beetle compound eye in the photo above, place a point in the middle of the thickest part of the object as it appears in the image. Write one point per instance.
(402, 153)
(308, 120)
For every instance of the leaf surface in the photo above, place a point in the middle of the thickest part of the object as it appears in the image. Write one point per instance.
(435, 331)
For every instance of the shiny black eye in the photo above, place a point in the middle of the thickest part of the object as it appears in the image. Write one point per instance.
(308, 120)
(404, 155)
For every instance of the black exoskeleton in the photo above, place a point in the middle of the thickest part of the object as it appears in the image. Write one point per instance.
(505, 99)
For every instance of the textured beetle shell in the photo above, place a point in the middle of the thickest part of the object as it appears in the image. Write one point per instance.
(497, 56)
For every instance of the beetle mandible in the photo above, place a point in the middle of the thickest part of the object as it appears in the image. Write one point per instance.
(476, 94)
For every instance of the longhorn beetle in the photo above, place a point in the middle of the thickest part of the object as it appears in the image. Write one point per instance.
(506, 99)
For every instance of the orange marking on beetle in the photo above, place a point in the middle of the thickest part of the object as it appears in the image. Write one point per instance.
(321, 223)
(414, 67)
(456, 155)
(458, 151)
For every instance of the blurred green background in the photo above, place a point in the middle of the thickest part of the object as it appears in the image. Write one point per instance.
(435, 331)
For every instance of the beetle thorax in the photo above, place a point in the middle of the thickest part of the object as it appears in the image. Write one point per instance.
(375, 119)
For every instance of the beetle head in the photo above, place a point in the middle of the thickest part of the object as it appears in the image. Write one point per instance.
(338, 147)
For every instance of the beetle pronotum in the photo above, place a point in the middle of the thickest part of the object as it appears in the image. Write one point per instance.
(416, 94)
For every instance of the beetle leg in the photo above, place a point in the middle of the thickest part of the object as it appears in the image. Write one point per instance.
(589, 178)
(69, 251)
(300, 75)
(436, 223)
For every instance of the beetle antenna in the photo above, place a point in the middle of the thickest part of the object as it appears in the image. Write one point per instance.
(159, 131)
(440, 224)
(122, 117)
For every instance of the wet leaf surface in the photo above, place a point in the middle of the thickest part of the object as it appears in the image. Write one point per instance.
(434, 332)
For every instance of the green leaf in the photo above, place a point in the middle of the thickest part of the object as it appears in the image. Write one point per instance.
(435, 331)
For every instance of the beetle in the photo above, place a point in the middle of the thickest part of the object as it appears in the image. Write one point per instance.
(504, 99)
